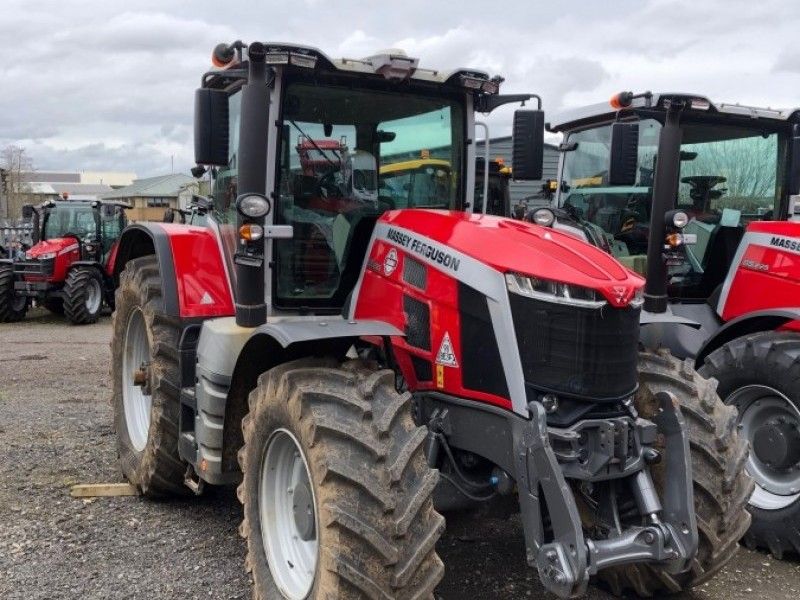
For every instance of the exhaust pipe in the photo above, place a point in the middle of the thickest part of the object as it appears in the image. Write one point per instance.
(251, 308)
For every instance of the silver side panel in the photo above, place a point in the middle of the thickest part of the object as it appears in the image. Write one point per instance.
(291, 330)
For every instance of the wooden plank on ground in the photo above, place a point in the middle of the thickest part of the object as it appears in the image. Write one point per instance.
(92, 490)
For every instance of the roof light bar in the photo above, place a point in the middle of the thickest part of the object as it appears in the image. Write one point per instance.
(285, 56)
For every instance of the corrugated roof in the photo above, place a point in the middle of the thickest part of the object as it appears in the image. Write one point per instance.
(81, 188)
(163, 186)
(50, 176)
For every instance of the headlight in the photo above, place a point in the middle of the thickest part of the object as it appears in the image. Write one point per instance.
(553, 291)
(638, 298)
(543, 217)
(43, 256)
(680, 219)
(254, 206)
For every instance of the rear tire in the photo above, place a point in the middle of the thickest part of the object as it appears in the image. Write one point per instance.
(370, 487)
(721, 485)
(760, 375)
(83, 295)
(146, 423)
(12, 306)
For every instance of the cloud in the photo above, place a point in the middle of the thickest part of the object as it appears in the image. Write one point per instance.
(108, 85)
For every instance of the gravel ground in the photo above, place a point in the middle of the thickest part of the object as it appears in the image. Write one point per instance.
(55, 430)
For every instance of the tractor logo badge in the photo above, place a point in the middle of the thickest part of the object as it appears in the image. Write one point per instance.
(206, 299)
(446, 356)
(390, 262)
(620, 291)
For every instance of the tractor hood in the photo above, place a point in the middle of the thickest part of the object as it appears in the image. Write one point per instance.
(512, 246)
(52, 248)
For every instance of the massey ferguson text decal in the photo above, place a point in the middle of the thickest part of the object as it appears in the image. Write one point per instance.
(426, 250)
(787, 243)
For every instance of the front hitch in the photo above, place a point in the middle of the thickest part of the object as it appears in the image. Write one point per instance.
(567, 559)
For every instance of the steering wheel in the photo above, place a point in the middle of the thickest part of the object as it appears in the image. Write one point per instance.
(327, 187)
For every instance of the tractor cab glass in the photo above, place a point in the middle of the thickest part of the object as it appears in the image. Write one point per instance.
(422, 183)
(78, 220)
(617, 216)
(343, 160)
(728, 177)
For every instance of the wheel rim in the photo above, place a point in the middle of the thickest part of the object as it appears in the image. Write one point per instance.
(771, 423)
(287, 511)
(93, 295)
(136, 402)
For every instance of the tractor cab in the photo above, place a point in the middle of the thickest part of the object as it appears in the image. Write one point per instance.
(729, 166)
(92, 225)
(342, 144)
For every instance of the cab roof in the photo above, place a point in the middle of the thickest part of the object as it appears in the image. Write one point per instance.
(657, 102)
(393, 64)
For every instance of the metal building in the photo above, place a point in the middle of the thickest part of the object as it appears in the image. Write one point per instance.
(501, 148)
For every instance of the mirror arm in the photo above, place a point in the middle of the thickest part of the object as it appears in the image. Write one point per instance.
(487, 104)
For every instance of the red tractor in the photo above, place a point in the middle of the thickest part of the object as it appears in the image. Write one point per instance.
(449, 360)
(68, 269)
(702, 198)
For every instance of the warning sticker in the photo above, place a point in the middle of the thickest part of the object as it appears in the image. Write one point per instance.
(446, 356)
(390, 262)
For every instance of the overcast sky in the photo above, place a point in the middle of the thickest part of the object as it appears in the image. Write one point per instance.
(108, 85)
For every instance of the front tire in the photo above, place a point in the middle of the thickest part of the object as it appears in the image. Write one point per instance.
(144, 339)
(12, 306)
(760, 375)
(83, 295)
(721, 485)
(362, 514)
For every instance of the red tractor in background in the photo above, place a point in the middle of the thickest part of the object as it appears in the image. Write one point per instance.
(702, 198)
(447, 359)
(68, 268)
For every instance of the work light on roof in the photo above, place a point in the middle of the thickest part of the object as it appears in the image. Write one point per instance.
(393, 64)
(290, 56)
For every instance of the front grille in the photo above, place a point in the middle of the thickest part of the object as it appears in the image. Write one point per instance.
(39, 268)
(415, 273)
(418, 323)
(587, 353)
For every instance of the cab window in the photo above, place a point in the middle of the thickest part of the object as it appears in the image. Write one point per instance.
(339, 152)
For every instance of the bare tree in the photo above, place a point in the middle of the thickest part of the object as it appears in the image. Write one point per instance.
(749, 166)
(14, 164)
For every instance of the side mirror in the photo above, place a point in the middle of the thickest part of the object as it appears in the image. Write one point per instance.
(528, 145)
(27, 211)
(794, 167)
(624, 154)
(211, 127)
(169, 216)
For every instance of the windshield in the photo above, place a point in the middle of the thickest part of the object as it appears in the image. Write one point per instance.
(728, 177)
(77, 219)
(726, 171)
(347, 155)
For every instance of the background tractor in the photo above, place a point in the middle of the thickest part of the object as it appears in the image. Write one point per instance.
(68, 268)
(355, 370)
(701, 197)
